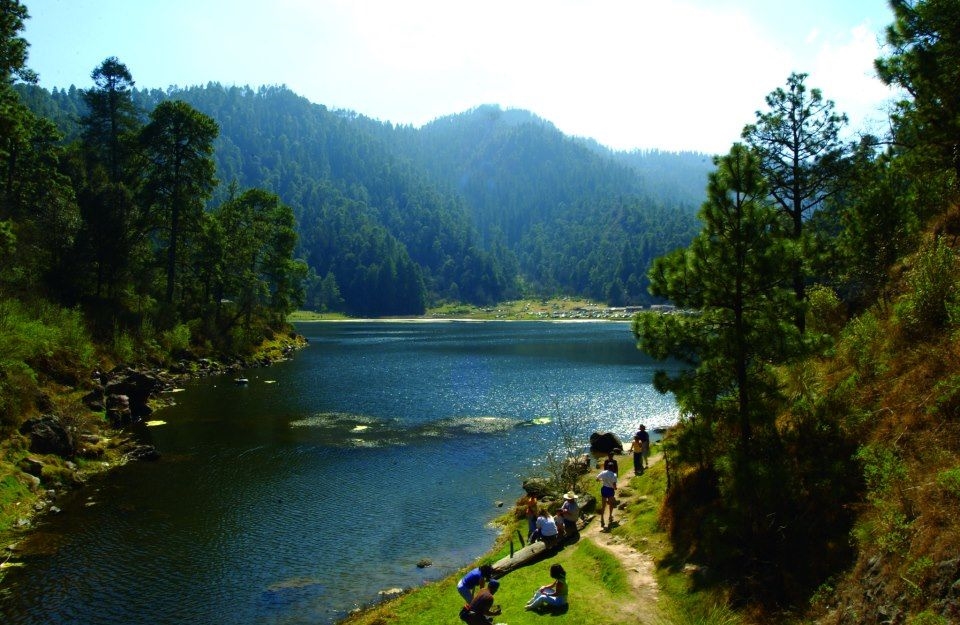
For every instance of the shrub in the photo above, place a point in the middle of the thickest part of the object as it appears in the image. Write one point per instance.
(949, 481)
(862, 345)
(177, 338)
(933, 282)
(825, 313)
(927, 618)
(124, 347)
(880, 468)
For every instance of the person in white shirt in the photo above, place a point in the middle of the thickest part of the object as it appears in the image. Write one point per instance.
(546, 528)
(608, 489)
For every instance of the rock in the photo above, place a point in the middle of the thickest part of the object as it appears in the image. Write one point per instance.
(138, 385)
(118, 410)
(31, 466)
(575, 467)
(95, 400)
(48, 436)
(390, 592)
(424, 563)
(33, 481)
(143, 452)
(605, 443)
(498, 504)
(536, 486)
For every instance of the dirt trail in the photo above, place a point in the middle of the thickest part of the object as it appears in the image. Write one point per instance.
(638, 565)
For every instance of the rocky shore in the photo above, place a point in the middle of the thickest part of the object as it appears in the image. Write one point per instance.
(63, 453)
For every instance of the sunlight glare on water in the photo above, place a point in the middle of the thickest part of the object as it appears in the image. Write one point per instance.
(323, 481)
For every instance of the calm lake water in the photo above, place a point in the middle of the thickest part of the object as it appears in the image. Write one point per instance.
(326, 479)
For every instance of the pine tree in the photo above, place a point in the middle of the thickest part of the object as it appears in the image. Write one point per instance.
(800, 153)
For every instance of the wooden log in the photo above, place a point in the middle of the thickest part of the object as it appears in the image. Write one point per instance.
(527, 555)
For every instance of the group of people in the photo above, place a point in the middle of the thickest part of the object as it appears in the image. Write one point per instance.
(543, 526)
(478, 588)
(480, 609)
(608, 477)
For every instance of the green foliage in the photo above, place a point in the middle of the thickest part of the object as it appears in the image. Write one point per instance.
(825, 311)
(925, 63)
(949, 481)
(123, 346)
(177, 338)
(933, 282)
(927, 618)
(889, 527)
(44, 338)
(862, 344)
(798, 142)
(881, 468)
(178, 177)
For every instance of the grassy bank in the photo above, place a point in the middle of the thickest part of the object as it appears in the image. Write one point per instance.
(557, 309)
(599, 587)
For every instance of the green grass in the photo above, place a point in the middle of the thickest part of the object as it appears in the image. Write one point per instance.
(309, 315)
(599, 587)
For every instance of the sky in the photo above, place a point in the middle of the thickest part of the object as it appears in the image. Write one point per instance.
(675, 75)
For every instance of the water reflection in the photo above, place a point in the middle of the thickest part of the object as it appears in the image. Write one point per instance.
(327, 478)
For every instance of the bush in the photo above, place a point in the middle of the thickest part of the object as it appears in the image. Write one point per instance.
(933, 283)
(176, 339)
(949, 481)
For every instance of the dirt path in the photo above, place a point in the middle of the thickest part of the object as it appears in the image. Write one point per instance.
(638, 565)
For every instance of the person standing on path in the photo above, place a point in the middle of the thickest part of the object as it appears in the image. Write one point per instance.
(610, 464)
(645, 442)
(608, 489)
(637, 448)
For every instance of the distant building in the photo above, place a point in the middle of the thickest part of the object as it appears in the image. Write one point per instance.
(663, 308)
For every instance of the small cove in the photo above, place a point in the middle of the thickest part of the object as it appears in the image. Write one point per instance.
(328, 477)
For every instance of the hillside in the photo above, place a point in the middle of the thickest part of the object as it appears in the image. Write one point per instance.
(477, 207)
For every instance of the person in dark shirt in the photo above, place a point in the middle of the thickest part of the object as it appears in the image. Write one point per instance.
(644, 437)
(481, 610)
(610, 464)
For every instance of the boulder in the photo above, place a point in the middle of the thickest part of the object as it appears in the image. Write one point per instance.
(575, 466)
(31, 466)
(143, 452)
(138, 386)
(118, 410)
(605, 443)
(48, 436)
(95, 400)
(536, 486)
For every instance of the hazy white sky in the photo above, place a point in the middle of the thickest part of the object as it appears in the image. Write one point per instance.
(666, 74)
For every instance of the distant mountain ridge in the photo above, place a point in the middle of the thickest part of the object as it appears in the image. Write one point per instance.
(478, 206)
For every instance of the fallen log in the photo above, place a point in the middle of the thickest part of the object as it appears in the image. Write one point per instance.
(534, 551)
(527, 555)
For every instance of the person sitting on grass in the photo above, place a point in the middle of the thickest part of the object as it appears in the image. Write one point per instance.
(546, 528)
(552, 595)
(568, 515)
(481, 610)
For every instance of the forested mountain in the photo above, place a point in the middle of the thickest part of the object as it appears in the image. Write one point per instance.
(477, 207)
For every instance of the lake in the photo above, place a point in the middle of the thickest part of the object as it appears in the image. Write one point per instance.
(324, 480)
